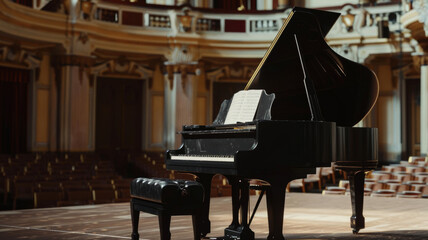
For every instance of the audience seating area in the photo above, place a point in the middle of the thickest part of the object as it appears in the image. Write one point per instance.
(59, 179)
(315, 182)
(36, 180)
(408, 179)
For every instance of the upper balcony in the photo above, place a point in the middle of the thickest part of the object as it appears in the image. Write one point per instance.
(152, 29)
(416, 19)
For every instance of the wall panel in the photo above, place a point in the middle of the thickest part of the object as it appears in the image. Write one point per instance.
(42, 119)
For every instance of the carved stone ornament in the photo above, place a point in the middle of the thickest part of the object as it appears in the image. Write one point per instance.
(16, 55)
(82, 45)
(182, 59)
(182, 55)
(122, 67)
(419, 59)
(421, 6)
(234, 71)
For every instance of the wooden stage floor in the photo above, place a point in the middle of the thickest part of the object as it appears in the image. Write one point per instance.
(307, 216)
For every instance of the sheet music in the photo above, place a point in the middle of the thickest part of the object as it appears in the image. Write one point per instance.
(243, 107)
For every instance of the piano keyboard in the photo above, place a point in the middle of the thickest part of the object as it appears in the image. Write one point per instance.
(203, 158)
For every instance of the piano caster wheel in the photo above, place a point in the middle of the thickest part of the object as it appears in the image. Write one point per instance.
(355, 231)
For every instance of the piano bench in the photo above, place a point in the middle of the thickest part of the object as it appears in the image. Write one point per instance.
(165, 197)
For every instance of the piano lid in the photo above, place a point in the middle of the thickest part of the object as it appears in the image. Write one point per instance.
(346, 90)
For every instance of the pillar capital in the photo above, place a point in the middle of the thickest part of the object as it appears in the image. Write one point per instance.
(182, 69)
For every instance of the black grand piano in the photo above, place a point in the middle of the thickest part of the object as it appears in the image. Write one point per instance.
(312, 98)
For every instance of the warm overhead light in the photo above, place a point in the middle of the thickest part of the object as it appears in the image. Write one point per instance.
(241, 6)
(348, 20)
(86, 7)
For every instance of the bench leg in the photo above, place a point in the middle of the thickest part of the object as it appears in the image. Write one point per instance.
(164, 224)
(135, 217)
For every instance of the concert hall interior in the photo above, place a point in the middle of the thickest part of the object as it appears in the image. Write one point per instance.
(95, 93)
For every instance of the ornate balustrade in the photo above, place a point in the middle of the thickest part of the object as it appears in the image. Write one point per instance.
(358, 25)
(187, 20)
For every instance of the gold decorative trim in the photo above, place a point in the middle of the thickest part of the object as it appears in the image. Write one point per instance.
(268, 51)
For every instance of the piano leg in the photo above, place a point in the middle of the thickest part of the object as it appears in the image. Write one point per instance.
(240, 187)
(203, 217)
(246, 232)
(233, 181)
(356, 181)
(275, 198)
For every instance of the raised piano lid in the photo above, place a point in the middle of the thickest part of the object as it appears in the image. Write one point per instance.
(346, 90)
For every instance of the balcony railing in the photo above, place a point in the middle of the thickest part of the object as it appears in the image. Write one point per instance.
(186, 20)
(355, 20)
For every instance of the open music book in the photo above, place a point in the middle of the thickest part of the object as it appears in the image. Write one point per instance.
(243, 106)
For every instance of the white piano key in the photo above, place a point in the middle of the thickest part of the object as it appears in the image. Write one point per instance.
(204, 158)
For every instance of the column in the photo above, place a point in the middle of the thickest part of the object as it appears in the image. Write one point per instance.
(180, 99)
(75, 110)
(424, 110)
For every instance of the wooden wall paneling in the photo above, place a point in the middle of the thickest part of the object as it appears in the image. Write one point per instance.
(64, 108)
(53, 105)
(131, 119)
(119, 113)
(79, 110)
(156, 120)
(40, 113)
(413, 116)
(155, 111)
(104, 122)
(202, 100)
(202, 110)
(42, 119)
(92, 100)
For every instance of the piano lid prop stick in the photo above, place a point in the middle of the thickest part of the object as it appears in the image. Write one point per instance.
(311, 93)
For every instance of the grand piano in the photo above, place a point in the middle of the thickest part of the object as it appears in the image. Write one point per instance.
(311, 100)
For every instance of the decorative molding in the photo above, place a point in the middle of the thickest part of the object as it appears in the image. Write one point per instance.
(232, 72)
(182, 54)
(183, 69)
(16, 56)
(421, 7)
(182, 59)
(122, 67)
(419, 59)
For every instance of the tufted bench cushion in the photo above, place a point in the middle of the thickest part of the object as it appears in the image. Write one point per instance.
(167, 191)
(165, 197)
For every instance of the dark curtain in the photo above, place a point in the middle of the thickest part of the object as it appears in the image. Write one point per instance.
(28, 3)
(118, 114)
(13, 109)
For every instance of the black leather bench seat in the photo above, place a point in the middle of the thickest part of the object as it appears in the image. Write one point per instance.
(165, 197)
(167, 191)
